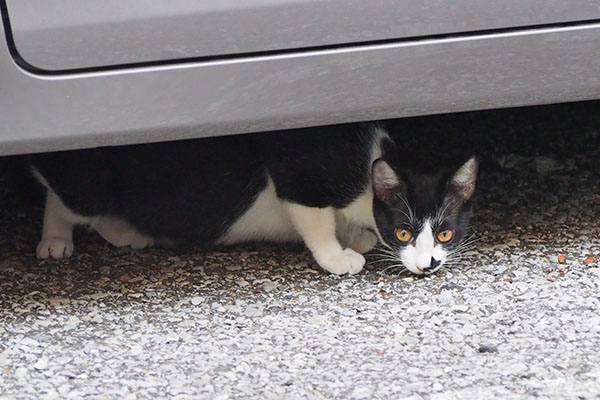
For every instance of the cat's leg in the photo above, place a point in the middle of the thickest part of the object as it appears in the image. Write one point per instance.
(360, 239)
(57, 232)
(120, 233)
(316, 226)
(354, 236)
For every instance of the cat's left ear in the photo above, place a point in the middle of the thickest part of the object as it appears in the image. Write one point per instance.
(386, 182)
(462, 183)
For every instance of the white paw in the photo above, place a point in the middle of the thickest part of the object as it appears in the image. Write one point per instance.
(120, 233)
(54, 247)
(140, 242)
(131, 238)
(364, 241)
(346, 261)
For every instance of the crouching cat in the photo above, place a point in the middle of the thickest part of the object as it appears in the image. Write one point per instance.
(338, 189)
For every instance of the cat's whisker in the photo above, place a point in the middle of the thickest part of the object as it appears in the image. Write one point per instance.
(457, 261)
(394, 266)
(461, 252)
(411, 215)
(463, 247)
(390, 254)
(408, 216)
(380, 261)
(457, 264)
(455, 257)
(470, 239)
(383, 261)
(446, 218)
(438, 220)
(389, 267)
(453, 263)
(380, 247)
(386, 256)
(468, 243)
(384, 252)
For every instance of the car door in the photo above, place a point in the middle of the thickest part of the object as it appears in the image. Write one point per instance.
(77, 74)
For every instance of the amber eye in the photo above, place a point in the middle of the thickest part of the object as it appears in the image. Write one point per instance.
(403, 235)
(445, 236)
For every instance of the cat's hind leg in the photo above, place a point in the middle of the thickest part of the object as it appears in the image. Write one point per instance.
(57, 232)
(120, 233)
(316, 226)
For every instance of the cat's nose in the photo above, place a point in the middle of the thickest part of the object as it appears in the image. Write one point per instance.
(432, 265)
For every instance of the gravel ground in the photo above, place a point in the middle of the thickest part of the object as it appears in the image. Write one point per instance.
(512, 321)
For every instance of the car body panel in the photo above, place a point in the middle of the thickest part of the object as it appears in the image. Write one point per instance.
(41, 113)
(56, 35)
(45, 111)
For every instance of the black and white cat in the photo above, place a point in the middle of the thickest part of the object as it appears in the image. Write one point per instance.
(338, 189)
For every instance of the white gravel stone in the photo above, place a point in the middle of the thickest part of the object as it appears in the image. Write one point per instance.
(196, 300)
(42, 363)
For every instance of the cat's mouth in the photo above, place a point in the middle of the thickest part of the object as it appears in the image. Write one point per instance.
(408, 259)
(430, 271)
(425, 272)
(433, 266)
(421, 265)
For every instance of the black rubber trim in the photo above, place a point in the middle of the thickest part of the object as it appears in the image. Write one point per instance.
(40, 71)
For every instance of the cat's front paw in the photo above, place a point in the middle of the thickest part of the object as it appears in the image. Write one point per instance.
(346, 261)
(54, 247)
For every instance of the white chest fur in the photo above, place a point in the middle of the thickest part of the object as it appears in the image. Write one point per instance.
(265, 220)
(268, 219)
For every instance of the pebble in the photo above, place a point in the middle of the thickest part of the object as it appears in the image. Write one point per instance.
(254, 310)
(41, 363)
(451, 286)
(29, 342)
(487, 348)
(317, 319)
(73, 320)
(196, 300)
(361, 392)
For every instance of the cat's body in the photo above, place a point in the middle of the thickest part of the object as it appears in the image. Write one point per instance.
(312, 185)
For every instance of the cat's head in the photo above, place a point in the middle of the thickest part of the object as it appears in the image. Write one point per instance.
(421, 219)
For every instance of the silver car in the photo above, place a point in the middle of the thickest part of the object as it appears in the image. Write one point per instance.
(78, 73)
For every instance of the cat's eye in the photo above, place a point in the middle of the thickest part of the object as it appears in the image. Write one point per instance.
(445, 236)
(403, 235)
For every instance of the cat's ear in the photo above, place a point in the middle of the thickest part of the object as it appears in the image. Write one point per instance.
(462, 183)
(386, 182)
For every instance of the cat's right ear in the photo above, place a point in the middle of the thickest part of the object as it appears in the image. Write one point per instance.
(386, 182)
(462, 183)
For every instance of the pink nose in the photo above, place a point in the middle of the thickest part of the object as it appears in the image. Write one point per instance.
(432, 265)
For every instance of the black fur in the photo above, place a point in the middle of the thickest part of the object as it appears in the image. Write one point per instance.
(196, 189)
